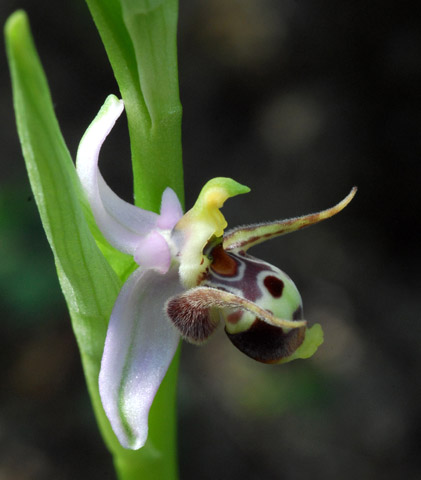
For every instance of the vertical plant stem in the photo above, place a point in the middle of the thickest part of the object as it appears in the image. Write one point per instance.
(141, 43)
(140, 40)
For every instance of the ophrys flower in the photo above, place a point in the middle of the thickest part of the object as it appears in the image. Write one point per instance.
(190, 276)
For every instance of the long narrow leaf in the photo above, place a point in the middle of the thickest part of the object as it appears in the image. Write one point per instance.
(88, 283)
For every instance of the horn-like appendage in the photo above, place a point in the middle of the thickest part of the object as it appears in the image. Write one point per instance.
(242, 238)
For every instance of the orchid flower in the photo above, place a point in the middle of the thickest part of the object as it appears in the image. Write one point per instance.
(190, 277)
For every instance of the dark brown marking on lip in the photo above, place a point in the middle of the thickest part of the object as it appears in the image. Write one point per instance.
(222, 263)
(235, 316)
(266, 343)
(274, 285)
(298, 314)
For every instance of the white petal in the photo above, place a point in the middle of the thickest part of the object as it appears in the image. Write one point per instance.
(133, 218)
(139, 347)
(120, 222)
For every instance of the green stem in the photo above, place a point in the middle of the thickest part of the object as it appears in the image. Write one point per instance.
(140, 39)
(141, 45)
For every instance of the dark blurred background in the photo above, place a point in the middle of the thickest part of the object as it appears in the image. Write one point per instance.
(300, 100)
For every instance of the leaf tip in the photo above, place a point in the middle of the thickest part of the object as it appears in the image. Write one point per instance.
(17, 22)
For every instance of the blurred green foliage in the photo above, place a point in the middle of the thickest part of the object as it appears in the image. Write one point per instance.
(28, 280)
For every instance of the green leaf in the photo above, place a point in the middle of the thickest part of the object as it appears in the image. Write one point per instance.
(89, 284)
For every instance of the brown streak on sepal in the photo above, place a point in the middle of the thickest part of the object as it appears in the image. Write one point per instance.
(194, 321)
(266, 343)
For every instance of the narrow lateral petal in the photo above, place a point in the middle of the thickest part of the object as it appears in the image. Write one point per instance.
(120, 222)
(139, 347)
(242, 238)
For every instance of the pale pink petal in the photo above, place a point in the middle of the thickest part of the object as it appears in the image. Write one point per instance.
(171, 210)
(153, 252)
(139, 347)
